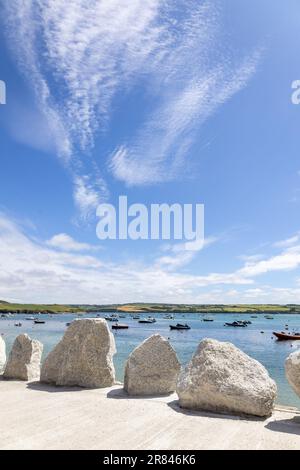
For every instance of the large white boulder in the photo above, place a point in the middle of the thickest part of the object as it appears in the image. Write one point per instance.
(24, 360)
(152, 368)
(2, 355)
(84, 356)
(221, 378)
(292, 371)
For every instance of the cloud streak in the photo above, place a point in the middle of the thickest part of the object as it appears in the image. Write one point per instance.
(79, 56)
(159, 150)
(181, 254)
(65, 242)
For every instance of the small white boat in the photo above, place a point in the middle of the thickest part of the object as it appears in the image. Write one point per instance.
(29, 318)
(152, 319)
(147, 320)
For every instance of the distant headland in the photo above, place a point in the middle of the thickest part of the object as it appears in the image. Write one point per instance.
(8, 307)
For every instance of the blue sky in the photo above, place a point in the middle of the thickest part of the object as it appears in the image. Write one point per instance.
(184, 101)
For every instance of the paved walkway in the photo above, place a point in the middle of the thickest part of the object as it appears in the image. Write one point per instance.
(35, 416)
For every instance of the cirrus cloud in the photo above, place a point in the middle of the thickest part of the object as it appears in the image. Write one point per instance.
(80, 56)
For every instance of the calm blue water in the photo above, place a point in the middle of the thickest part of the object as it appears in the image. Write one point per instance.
(262, 347)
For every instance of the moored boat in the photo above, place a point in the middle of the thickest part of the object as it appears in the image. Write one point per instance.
(120, 326)
(208, 319)
(179, 326)
(236, 324)
(152, 319)
(39, 322)
(281, 336)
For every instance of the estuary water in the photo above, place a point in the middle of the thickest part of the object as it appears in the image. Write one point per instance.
(261, 346)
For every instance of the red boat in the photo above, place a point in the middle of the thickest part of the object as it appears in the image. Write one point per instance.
(286, 336)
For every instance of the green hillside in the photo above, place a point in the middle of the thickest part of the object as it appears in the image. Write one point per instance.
(6, 307)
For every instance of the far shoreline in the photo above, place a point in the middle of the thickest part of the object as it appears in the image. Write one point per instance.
(147, 308)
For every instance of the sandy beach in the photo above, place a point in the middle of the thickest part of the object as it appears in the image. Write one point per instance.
(37, 416)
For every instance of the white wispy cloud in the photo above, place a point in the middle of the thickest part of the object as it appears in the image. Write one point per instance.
(251, 258)
(287, 242)
(65, 242)
(89, 49)
(88, 193)
(78, 56)
(95, 48)
(21, 26)
(30, 127)
(288, 259)
(181, 254)
(34, 271)
(158, 151)
(255, 266)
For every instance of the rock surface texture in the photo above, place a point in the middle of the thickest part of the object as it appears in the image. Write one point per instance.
(24, 360)
(221, 378)
(152, 368)
(83, 357)
(2, 355)
(292, 371)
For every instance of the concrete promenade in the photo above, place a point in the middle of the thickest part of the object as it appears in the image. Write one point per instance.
(36, 416)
